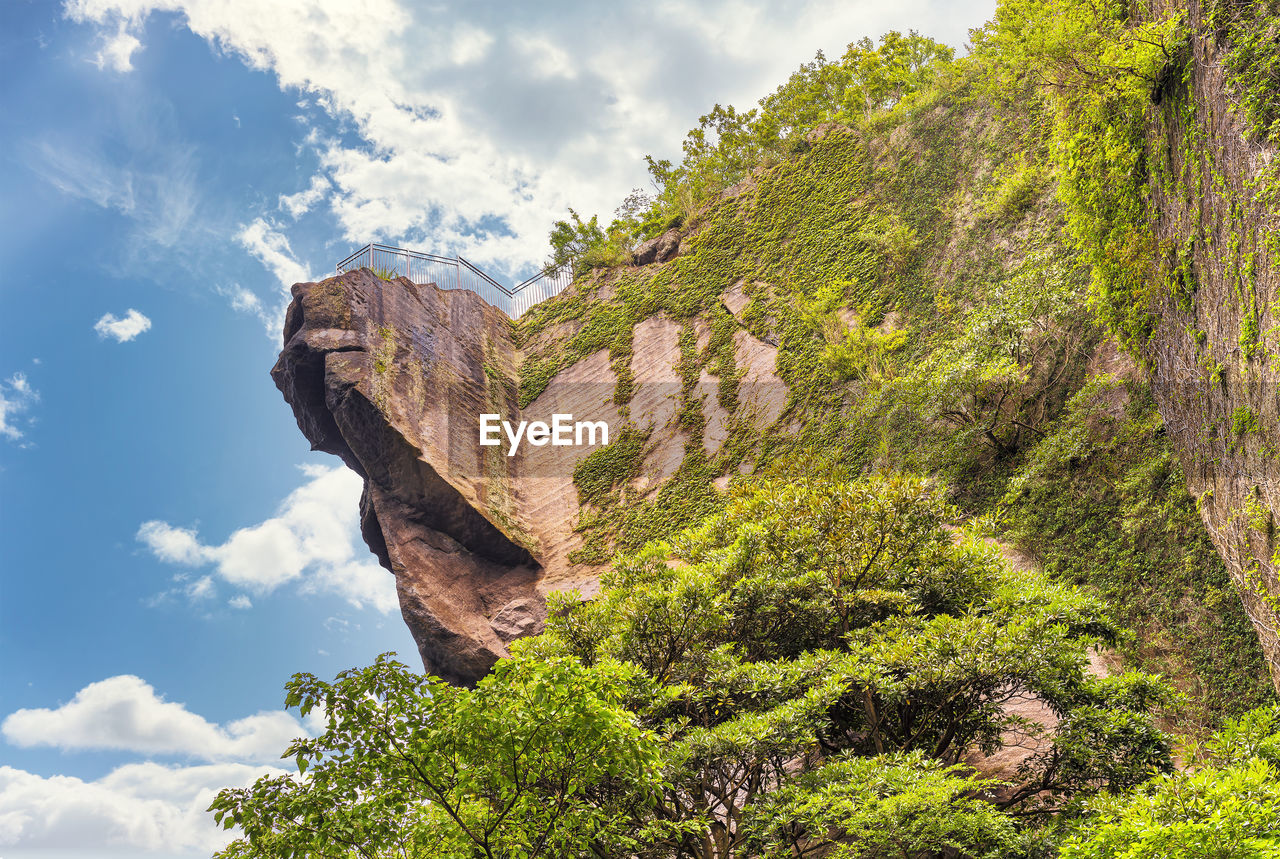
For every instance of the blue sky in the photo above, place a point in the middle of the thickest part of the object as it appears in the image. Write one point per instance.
(170, 550)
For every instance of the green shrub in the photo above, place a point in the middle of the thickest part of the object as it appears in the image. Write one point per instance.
(1228, 808)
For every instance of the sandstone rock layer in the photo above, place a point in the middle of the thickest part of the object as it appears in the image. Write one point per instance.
(393, 376)
(377, 373)
(1212, 351)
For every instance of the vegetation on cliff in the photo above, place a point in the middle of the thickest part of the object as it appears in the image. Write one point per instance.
(926, 270)
(825, 659)
(820, 645)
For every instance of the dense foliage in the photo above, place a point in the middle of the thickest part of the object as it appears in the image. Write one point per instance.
(728, 145)
(806, 670)
(932, 269)
(1103, 501)
(1096, 64)
(539, 760)
(1226, 807)
(819, 662)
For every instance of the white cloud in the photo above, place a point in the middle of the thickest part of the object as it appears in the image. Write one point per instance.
(124, 713)
(142, 806)
(16, 398)
(270, 247)
(240, 601)
(136, 807)
(247, 302)
(201, 589)
(312, 541)
(546, 59)
(117, 51)
(468, 45)
(122, 328)
(300, 203)
(244, 301)
(18, 382)
(173, 545)
(473, 115)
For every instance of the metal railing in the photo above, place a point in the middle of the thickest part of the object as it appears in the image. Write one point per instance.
(457, 273)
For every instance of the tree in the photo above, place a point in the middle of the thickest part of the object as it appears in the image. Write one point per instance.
(992, 384)
(890, 805)
(539, 760)
(572, 239)
(1225, 808)
(586, 245)
(1100, 66)
(728, 143)
(804, 669)
(816, 622)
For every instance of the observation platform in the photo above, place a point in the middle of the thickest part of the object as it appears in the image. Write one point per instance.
(457, 273)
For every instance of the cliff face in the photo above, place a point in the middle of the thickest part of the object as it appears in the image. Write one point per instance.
(375, 373)
(393, 377)
(1215, 343)
(898, 298)
(707, 361)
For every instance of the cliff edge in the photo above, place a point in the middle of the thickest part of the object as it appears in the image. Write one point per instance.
(375, 372)
(393, 377)
(1213, 339)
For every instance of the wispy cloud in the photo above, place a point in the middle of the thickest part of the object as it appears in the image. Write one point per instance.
(16, 398)
(122, 328)
(268, 245)
(85, 175)
(300, 203)
(476, 125)
(155, 188)
(247, 302)
(271, 248)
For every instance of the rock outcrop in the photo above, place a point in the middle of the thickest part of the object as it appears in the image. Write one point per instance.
(658, 249)
(381, 374)
(393, 376)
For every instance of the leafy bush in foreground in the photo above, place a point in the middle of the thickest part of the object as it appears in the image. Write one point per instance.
(1228, 808)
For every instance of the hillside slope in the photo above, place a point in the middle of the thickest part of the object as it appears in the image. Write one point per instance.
(895, 291)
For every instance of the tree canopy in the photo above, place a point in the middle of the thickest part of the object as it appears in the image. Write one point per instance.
(809, 670)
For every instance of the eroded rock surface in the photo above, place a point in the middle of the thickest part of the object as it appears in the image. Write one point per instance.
(1213, 348)
(393, 377)
(381, 374)
(659, 249)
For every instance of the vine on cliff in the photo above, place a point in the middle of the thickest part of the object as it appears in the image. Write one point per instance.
(922, 263)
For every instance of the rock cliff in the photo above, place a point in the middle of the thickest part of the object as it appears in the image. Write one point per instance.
(375, 373)
(1216, 334)
(393, 377)
(897, 297)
